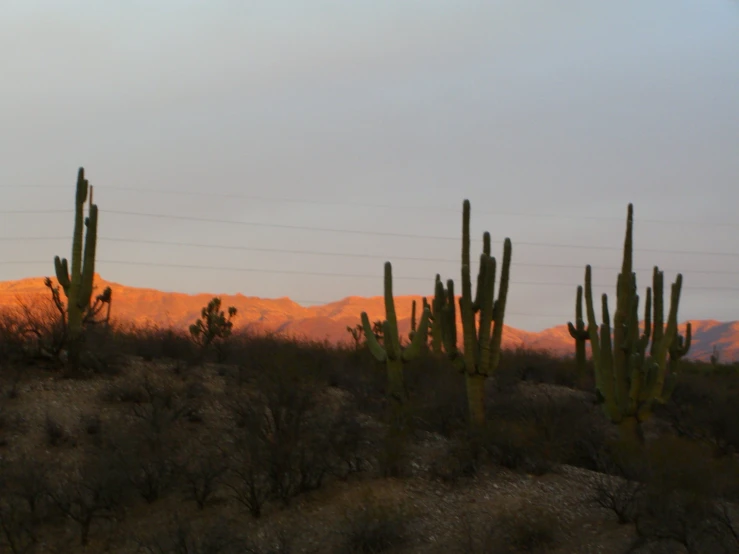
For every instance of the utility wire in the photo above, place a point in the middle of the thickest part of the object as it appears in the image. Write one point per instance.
(327, 274)
(211, 246)
(402, 235)
(443, 209)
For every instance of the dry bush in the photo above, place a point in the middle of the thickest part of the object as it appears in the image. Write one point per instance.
(527, 528)
(182, 537)
(537, 433)
(705, 407)
(376, 526)
(96, 491)
(153, 342)
(682, 504)
(437, 396)
(536, 366)
(203, 472)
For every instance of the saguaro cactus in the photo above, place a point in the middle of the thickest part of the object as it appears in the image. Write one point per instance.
(78, 285)
(435, 318)
(482, 340)
(580, 333)
(417, 329)
(628, 380)
(390, 351)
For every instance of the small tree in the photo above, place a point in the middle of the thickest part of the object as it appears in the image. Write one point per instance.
(357, 333)
(213, 328)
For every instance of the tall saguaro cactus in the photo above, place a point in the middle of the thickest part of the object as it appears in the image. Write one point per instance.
(630, 376)
(78, 285)
(390, 351)
(482, 318)
(580, 333)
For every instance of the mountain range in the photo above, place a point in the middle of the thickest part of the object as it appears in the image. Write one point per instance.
(141, 306)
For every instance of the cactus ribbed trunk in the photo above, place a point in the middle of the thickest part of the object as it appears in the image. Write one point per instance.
(476, 398)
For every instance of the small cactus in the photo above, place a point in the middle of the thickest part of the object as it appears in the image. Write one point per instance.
(390, 351)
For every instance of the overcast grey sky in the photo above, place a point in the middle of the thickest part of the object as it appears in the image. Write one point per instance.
(377, 116)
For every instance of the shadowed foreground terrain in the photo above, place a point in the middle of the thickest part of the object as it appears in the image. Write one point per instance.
(285, 447)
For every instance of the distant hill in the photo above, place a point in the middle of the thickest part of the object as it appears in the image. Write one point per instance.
(329, 321)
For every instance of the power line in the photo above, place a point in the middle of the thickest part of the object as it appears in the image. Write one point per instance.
(25, 212)
(443, 209)
(329, 274)
(402, 235)
(211, 246)
(358, 276)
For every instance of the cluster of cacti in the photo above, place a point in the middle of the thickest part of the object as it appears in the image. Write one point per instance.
(482, 324)
(630, 376)
(78, 285)
(391, 353)
(424, 331)
(481, 316)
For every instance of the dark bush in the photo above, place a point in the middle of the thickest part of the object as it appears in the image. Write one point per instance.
(375, 527)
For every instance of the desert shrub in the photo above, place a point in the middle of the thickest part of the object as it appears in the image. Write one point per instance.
(460, 458)
(94, 492)
(533, 529)
(56, 433)
(183, 537)
(375, 526)
(620, 495)
(529, 528)
(18, 529)
(291, 432)
(213, 329)
(536, 366)
(534, 431)
(437, 396)
(682, 504)
(153, 342)
(148, 461)
(163, 404)
(203, 471)
(705, 407)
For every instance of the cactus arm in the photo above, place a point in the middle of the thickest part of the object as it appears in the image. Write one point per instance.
(437, 304)
(88, 265)
(392, 339)
(414, 349)
(62, 273)
(374, 347)
(449, 321)
(592, 323)
(658, 327)
(487, 282)
(606, 379)
(500, 305)
(81, 197)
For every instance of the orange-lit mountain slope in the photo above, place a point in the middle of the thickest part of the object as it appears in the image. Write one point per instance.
(327, 322)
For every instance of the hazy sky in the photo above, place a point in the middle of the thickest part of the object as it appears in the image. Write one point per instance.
(310, 119)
